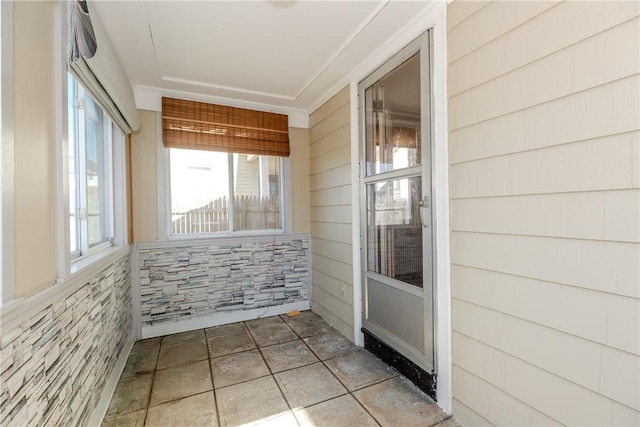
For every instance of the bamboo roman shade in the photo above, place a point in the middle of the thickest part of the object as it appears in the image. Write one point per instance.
(202, 126)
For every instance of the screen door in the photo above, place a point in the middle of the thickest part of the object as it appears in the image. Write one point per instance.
(396, 214)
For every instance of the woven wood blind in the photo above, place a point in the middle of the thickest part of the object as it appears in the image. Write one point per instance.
(201, 126)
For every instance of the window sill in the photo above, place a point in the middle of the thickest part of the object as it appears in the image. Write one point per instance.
(195, 240)
(91, 264)
(222, 235)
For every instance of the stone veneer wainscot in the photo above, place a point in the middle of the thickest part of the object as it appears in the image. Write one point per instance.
(55, 364)
(186, 281)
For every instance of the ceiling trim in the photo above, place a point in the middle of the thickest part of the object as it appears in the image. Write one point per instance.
(150, 98)
(344, 45)
(229, 88)
(419, 24)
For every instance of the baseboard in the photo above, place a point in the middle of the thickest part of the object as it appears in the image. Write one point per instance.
(424, 380)
(110, 386)
(222, 318)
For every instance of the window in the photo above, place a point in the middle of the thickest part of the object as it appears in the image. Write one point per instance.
(91, 204)
(217, 192)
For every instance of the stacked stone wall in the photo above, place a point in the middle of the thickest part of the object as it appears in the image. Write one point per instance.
(185, 282)
(54, 366)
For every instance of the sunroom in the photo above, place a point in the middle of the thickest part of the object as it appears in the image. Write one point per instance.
(454, 186)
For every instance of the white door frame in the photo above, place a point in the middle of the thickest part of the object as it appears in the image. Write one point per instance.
(435, 18)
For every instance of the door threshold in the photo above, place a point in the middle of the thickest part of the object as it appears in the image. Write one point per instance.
(424, 380)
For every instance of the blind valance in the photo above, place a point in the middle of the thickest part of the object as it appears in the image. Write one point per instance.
(202, 126)
(93, 61)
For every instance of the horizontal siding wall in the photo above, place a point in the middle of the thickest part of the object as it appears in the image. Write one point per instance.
(544, 118)
(331, 246)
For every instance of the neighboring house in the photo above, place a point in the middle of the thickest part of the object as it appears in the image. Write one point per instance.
(536, 184)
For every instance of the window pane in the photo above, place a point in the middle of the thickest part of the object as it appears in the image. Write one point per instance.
(257, 192)
(96, 170)
(395, 230)
(392, 107)
(199, 191)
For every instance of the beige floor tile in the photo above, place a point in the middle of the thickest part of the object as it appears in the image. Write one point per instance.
(231, 328)
(398, 402)
(221, 345)
(286, 419)
(359, 369)
(252, 402)
(132, 419)
(131, 394)
(330, 344)
(141, 361)
(237, 368)
(308, 385)
(182, 354)
(288, 355)
(307, 324)
(270, 330)
(343, 411)
(449, 422)
(184, 337)
(181, 381)
(193, 411)
(149, 344)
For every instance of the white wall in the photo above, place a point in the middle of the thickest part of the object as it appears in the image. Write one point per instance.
(545, 185)
(331, 245)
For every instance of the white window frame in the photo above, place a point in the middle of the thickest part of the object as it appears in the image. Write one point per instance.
(68, 265)
(80, 102)
(164, 198)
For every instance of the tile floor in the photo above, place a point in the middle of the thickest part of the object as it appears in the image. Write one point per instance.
(275, 371)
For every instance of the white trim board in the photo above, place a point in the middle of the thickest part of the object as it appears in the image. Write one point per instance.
(110, 386)
(435, 18)
(150, 98)
(221, 318)
(219, 241)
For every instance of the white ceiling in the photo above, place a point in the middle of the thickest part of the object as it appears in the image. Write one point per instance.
(282, 54)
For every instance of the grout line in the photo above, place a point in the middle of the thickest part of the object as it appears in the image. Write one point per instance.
(448, 417)
(153, 380)
(213, 384)
(271, 372)
(350, 393)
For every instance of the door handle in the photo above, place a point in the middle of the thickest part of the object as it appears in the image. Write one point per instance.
(425, 211)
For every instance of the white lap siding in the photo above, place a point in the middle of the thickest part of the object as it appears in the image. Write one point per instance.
(544, 118)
